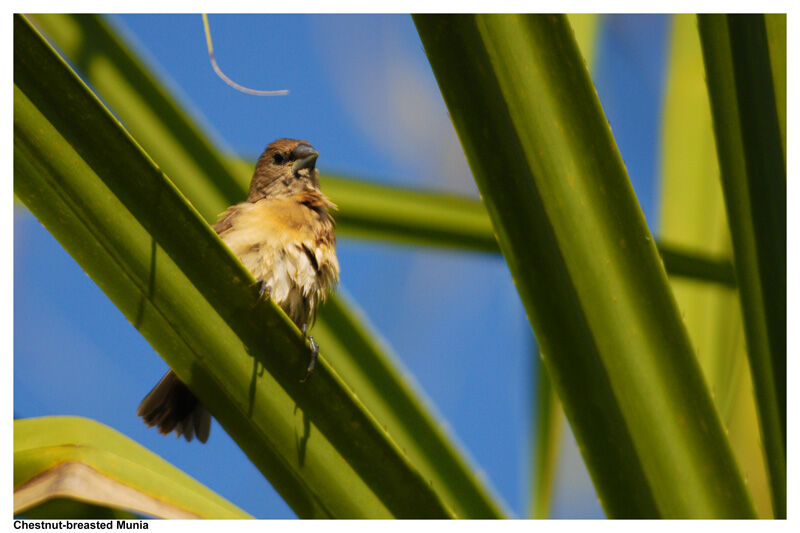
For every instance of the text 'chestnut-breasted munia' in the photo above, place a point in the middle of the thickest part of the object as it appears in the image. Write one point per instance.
(284, 235)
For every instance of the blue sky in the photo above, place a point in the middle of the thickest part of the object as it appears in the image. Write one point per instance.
(363, 94)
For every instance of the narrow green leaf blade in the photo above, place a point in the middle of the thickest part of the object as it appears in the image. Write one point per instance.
(693, 214)
(776, 41)
(548, 437)
(585, 265)
(85, 460)
(100, 195)
(545, 445)
(753, 173)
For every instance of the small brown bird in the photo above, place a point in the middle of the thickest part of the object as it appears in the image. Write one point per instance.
(284, 235)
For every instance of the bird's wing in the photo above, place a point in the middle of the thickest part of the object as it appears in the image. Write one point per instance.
(225, 221)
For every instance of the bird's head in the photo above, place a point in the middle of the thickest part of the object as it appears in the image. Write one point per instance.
(287, 166)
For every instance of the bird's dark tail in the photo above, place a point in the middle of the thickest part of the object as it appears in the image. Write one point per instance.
(172, 407)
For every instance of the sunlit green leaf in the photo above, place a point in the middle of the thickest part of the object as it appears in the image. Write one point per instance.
(585, 265)
(753, 173)
(546, 442)
(693, 213)
(80, 460)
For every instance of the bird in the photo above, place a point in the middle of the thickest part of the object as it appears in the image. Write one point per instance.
(283, 233)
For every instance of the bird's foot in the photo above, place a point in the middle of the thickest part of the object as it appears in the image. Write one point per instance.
(314, 355)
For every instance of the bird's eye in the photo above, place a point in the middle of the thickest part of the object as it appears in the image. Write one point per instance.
(278, 158)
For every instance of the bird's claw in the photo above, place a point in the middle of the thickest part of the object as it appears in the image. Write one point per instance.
(314, 355)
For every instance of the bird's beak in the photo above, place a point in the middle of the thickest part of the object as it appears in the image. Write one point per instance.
(305, 156)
